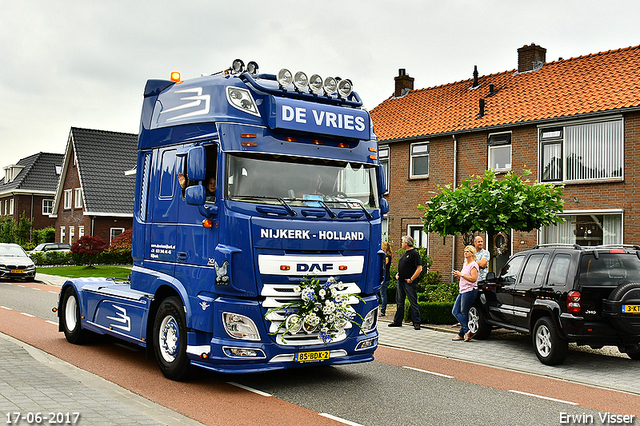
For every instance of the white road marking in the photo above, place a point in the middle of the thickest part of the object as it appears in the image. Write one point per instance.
(544, 397)
(339, 419)
(249, 389)
(429, 372)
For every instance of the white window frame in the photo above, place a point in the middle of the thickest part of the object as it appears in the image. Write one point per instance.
(47, 206)
(72, 234)
(80, 232)
(383, 156)
(412, 156)
(77, 196)
(562, 140)
(420, 238)
(11, 206)
(607, 212)
(67, 199)
(111, 236)
(63, 234)
(493, 147)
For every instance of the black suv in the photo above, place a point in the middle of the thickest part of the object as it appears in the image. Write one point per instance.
(561, 293)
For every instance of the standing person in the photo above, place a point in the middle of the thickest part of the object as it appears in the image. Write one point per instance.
(468, 292)
(386, 247)
(409, 269)
(482, 257)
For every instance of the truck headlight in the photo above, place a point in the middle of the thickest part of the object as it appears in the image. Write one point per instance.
(370, 321)
(345, 88)
(242, 99)
(240, 326)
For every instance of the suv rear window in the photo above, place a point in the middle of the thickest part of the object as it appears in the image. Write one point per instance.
(609, 269)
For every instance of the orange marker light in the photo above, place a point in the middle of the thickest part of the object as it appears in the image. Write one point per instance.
(207, 223)
(285, 267)
(175, 76)
(249, 144)
(373, 149)
(342, 267)
(317, 142)
(343, 145)
(248, 135)
(373, 157)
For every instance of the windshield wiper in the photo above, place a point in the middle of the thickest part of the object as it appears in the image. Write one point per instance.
(266, 197)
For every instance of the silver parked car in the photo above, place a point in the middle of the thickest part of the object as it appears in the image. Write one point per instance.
(15, 263)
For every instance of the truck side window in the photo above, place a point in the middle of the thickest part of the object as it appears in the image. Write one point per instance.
(167, 174)
(211, 180)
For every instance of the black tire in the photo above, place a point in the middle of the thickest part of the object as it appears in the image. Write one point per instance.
(550, 348)
(477, 323)
(70, 317)
(170, 339)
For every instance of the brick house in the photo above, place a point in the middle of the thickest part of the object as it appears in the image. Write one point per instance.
(571, 121)
(94, 196)
(28, 188)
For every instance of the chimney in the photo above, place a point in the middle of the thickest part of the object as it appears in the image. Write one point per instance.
(404, 83)
(475, 77)
(531, 58)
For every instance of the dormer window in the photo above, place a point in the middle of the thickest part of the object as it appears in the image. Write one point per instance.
(11, 172)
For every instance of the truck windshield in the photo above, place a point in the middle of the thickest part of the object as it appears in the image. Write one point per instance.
(306, 182)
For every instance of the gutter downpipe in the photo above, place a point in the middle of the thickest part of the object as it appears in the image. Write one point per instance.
(455, 179)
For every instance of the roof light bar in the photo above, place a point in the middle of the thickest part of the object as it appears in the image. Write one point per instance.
(238, 66)
(301, 81)
(284, 78)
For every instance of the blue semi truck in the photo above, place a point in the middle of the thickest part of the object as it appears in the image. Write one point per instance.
(252, 190)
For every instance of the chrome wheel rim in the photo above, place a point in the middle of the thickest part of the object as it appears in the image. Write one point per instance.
(169, 338)
(473, 320)
(70, 313)
(543, 341)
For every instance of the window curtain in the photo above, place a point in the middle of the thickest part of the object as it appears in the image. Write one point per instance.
(594, 151)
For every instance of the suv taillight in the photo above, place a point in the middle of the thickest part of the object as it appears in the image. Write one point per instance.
(574, 302)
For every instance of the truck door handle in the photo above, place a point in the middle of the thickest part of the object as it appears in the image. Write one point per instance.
(182, 255)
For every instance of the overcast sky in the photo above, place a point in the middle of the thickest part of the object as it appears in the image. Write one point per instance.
(85, 63)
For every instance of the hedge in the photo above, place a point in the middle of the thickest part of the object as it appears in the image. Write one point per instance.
(432, 312)
(119, 257)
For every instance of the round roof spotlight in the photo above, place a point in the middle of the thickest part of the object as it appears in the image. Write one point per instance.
(284, 78)
(252, 68)
(345, 88)
(330, 85)
(315, 83)
(300, 80)
(237, 66)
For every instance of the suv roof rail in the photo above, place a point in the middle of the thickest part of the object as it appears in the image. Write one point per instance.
(609, 246)
(563, 245)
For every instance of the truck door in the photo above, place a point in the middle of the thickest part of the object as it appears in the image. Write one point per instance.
(196, 243)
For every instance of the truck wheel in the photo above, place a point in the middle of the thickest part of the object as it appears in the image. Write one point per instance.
(70, 317)
(477, 323)
(170, 339)
(550, 348)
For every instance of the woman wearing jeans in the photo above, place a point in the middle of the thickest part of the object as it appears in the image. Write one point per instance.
(468, 292)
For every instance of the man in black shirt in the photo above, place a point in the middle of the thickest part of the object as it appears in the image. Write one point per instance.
(409, 269)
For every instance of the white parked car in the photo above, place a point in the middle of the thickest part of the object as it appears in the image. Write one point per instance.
(44, 247)
(15, 263)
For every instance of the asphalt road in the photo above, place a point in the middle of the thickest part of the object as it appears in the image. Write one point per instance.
(400, 387)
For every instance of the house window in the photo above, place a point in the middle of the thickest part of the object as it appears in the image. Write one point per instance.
(385, 229)
(383, 156)
(499, 154)
(582, 152)
(78, 198)
(80, 232)
(72, 234)
(419, 160)
(586, 229)
(67, 199)
(114, 232)
(47, 207)
(63, 234)
(420, 238)
(11, 206)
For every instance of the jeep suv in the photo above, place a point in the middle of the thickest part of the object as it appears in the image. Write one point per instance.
(561, 293)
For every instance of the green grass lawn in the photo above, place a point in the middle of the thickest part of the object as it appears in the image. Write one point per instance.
(119, 272)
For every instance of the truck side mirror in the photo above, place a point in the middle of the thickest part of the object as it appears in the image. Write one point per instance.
(197, 163)
(382, 179)
(195, 195)
(384, 206)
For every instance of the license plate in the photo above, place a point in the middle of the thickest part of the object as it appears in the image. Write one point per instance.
(631, 309)
(17, 271)
(311, 356)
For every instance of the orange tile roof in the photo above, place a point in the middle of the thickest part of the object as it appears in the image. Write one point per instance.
(595, 83)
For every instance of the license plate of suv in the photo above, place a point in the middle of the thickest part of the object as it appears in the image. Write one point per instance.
(631, 309)
(311, 356)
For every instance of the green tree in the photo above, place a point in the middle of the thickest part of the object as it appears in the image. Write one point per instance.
(484, 203)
